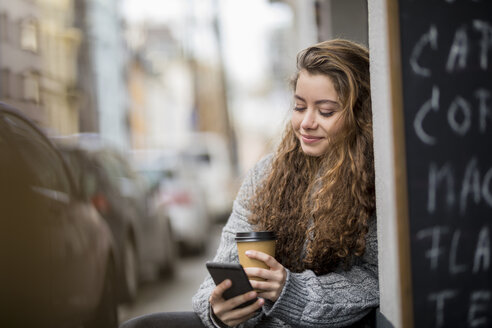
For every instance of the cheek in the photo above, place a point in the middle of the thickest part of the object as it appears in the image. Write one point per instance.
(294, 120)
(340, 125)
(335, 127)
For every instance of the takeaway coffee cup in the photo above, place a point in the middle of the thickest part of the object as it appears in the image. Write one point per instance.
(263, 241)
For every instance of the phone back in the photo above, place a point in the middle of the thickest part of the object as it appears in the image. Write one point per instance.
(234, 272)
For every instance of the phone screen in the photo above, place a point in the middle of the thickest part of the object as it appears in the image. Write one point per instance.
(234, 272)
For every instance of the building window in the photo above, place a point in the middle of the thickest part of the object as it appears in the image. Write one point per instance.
(11, 84)
(29, 35)
(4, 27)
(5, 81)
(31, 87)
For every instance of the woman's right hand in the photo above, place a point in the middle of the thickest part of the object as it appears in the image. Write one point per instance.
(225, 310)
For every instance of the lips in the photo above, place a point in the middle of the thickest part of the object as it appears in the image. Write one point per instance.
(310, 139)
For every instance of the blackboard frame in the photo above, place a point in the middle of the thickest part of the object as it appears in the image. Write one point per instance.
(439, 59)
(401, 197)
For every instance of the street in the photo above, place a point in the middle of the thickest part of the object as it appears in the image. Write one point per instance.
(173, 294)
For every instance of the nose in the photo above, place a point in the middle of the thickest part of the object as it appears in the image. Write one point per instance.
(309, 120)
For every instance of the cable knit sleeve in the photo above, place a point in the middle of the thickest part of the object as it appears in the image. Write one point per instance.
(227, 251)
(336, 299)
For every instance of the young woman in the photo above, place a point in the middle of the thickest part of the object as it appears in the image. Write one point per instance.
(316, 192)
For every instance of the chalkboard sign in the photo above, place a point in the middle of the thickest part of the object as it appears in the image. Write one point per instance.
(446, 83)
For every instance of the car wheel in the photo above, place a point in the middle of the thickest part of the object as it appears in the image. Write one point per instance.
(106, 315)
(168, 268)
(193, 249)
(130, 267)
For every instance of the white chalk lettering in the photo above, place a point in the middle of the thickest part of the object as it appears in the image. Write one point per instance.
(440, 299)
(482, 252)
(487, 195)
(458, 51)
(428, 38)
(441, 182)
(435, 251)
(483, 95)
(437, 175)
(471, 184)
(485, 43)
(431, 104)
(476, 306)
(461, 258)
(459, 115)
(453, 267)
(461, 104)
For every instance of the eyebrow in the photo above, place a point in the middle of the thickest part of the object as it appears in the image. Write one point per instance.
(318, 102)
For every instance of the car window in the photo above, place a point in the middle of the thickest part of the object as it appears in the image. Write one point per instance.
(110, 167)
(4, 154)
(127, 170)
(15, 183)
(90, 180)
(7, 166)
(127, 182)
(40, 157)
(83, 172)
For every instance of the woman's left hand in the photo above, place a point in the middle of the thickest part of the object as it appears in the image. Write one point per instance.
(274, 277)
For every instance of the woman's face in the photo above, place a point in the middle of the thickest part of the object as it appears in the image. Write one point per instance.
(317, 113)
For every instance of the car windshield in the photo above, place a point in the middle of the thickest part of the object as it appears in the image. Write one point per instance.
(38, 156)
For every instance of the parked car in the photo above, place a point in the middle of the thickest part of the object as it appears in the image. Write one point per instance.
(56, 252)
(175, 185)
(142, 233)
(214, 172)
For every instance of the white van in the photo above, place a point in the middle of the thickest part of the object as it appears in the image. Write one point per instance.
(214, 171)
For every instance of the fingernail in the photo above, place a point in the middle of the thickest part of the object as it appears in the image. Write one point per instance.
(227, 283)
(252, 294)
(248, 252)
(261, 301)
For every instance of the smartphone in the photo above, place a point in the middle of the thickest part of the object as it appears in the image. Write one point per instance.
(234, 272)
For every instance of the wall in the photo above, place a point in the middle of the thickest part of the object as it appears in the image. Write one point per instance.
(109, 56)
(390, 303)
(343, 19)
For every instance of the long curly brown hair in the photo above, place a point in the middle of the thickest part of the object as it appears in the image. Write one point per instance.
(319, 207)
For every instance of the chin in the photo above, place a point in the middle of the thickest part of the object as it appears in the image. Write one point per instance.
(311, 152)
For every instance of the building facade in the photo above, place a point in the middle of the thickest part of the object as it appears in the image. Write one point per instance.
(59, 44)
(38, 62)
(20, 57)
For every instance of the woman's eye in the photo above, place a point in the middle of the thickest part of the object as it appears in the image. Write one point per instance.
(299, 108)
(327, 114)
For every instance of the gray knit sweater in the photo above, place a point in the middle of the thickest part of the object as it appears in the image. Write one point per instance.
(336, 299)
